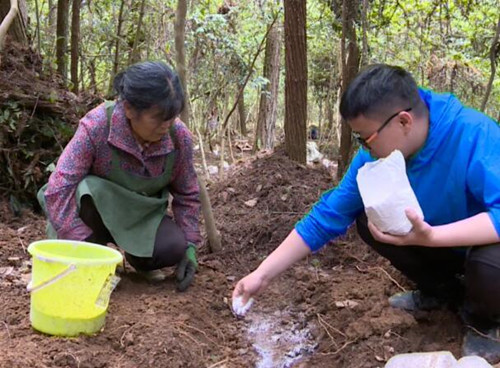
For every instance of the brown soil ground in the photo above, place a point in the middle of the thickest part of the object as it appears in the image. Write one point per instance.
(303, 320)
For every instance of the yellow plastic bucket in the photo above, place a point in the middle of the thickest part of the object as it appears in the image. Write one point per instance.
(71, 283)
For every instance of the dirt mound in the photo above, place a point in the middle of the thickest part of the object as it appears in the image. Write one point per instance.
(257, 206)
(37, 118)
(330, 310)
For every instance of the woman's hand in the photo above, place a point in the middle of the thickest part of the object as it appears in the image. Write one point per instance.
(187, 268)
(421, 234)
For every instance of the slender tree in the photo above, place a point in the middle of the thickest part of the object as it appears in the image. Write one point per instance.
(62, 38)
(118, 39)
(38, 37)
(494, 53)
(52, 22)
(350, 67)
(135, 54)
(242, 115)
(75, 43)
(180, 53)
(296, 79)
(266, 121)
(364, 26)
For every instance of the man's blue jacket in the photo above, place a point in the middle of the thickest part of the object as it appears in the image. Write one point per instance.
(455, 175)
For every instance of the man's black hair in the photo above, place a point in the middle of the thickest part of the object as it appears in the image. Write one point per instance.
(380, 90)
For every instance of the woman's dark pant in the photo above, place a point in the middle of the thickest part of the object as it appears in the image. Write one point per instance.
(170, 244)
(438, 272)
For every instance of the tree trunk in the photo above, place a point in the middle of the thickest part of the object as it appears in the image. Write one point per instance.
(350, 67)
(180, 53)
(274, 78)
(52, 18)
(75, 41)
(13, 24)
(495, 48)
(296, 79)
(249, 73)
(62, 38)
(269, 96)
(208, 216)
(38, 40)
(135, 54)
(364, 25)
(116, 61)
(51, 23)
(242, 115)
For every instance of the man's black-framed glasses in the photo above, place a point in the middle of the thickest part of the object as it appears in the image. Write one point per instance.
(365, 142)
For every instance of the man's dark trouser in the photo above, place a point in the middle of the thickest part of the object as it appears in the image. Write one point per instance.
(169, 247)
(435, 271)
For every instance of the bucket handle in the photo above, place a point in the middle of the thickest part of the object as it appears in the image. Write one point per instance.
(43, 284)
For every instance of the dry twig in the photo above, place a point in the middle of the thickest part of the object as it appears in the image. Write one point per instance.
(218, 364)
(128, 330)
(346, 344)
(7, 328)
(200, 331)
(385, 272)
(483, 334)
(392, 279)
(189, 336)
(22, 243)
(322, 323)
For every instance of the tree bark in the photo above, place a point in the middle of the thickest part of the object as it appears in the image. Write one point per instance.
(495, 48)
(75, 43)
(62, 38)
(296, 79)
(180, 54)
(350, 67)
(269, 96)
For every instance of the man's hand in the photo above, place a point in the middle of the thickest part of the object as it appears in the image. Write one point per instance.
(421, 234)
(250, 286)
(187, 268)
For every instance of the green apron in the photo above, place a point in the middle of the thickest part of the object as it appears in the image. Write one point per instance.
(131, 206)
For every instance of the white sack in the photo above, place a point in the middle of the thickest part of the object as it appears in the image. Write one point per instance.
(386, 193)
(313, 154)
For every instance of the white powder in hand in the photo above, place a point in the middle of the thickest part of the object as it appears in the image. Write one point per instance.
(238, 308)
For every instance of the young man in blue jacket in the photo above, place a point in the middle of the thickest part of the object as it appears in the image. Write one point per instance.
(453, 164)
